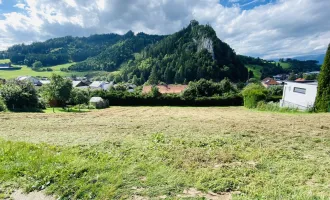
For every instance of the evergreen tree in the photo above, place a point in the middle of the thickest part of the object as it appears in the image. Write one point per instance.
(135, 80)
(292, 77)
(323, 91)
(153, 78)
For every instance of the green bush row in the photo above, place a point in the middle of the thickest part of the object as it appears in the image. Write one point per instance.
(119, 98)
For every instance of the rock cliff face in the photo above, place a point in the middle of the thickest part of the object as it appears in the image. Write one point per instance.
(206, 43)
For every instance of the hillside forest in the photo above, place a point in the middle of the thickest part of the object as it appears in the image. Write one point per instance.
(193, 53)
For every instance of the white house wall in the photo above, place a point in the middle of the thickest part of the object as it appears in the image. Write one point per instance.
(299, 100)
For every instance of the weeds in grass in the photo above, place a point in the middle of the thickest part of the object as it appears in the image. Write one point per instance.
(275, 107)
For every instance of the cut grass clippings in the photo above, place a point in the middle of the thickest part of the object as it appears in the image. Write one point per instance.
(118, 153)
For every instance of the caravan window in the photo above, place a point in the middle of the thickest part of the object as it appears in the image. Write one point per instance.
(299, 90)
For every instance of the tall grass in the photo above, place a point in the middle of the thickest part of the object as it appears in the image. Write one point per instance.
(275, 107)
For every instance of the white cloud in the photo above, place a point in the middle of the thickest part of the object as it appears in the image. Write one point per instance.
(281, 29)
(20, 5)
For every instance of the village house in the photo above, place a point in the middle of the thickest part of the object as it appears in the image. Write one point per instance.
(5, 66)
(280, 77)
(268, 82)
(31, 79)
(79, 84)
(166, 89)
(299, 95)
(100, 85)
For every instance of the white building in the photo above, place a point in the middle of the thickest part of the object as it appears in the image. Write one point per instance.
(100, 85)
(300, 95)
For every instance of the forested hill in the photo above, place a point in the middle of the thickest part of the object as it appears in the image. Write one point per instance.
(190, 54)
(193, 53)
(75, 49)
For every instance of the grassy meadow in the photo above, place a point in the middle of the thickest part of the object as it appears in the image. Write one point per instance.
(27, 71)
(256, 70)
(24, 71)
(166, 153)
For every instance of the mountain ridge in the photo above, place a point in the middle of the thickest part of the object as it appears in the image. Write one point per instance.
(195, 52)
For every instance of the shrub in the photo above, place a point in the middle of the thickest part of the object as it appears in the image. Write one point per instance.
(3, 106)
(276, 90)
(64, 70)
(207, 88)
(37, 65)
(119, 98)
(252, 94)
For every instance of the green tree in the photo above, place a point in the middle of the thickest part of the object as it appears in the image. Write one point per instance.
(19, 95)
(310, 76)
(58, 92)
(292, 77)
(79, 97)
(251, 75)
(135, 80)
(155, 91)
(323, 92)
(153, 78)
(37, 65)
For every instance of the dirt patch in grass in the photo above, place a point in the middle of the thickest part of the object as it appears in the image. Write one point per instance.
(194, 193)
(19, 195)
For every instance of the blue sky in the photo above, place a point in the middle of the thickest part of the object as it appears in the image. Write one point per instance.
(245, 4)
(263, 28)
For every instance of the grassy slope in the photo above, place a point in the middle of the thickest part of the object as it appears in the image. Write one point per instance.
(256, 70)
(4, 61)
(284, 65)
(28, 71)
(56, 69)
(137, 152)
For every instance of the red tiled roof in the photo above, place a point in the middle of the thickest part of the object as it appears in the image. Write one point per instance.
(266, 79)
(166, 89)
(300, 79)
(270, 81)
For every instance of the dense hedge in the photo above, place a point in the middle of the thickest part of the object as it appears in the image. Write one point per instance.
(273, 98)
(117, 98)
(254, 93)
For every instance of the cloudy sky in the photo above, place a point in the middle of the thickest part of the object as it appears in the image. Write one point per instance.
(264, 28)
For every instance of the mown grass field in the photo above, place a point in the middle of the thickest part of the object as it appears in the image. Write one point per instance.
(166, 152)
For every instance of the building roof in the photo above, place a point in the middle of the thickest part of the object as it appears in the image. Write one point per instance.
(75, 83)
(95, 99)
(45, 82)
(270, 81)
(97, 84)
(300, 80)
(166, 89)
